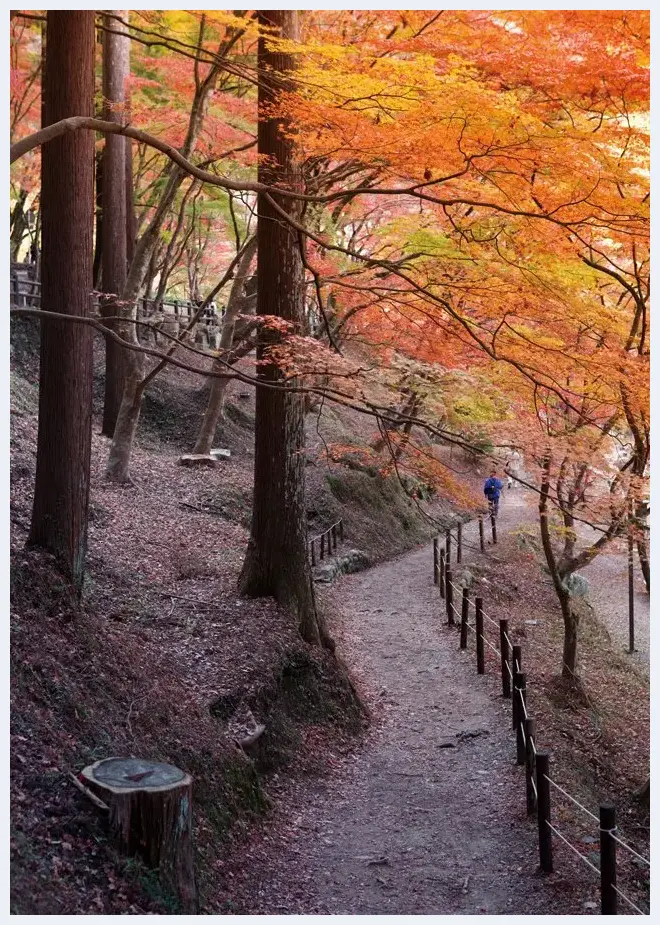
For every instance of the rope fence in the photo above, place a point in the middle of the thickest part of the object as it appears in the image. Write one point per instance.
(539, 783)
(327, 541)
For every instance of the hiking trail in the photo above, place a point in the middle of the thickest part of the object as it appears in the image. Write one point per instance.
(429, 816)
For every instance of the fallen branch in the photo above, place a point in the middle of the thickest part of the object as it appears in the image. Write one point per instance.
(88, 793)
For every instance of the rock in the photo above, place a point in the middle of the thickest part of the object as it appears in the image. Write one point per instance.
(353, 560)
(197, 459)
(221, 454)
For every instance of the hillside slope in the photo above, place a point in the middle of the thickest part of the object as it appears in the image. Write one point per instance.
(165, 660)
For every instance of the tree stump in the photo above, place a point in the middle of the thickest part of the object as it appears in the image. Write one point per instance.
(151, 814)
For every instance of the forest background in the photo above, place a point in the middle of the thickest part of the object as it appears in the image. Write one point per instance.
(452, 240)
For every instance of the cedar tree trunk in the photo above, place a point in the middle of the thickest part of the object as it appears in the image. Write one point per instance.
(61, 495)
(276, 562)
(116, 67)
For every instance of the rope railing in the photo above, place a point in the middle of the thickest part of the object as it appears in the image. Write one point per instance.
(573, 848)
(491, 646)
(571, 798)
(631, 850)
(538, 780)
(593, 867)
(336, 524)
(628, 900)
(329, 539)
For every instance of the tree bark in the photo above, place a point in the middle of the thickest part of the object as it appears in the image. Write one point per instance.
(131, 224)
(118, 465)
(98, 217)
(571, 627)
(116, 69)
(276, 562)
(61, 496)
(218, 387)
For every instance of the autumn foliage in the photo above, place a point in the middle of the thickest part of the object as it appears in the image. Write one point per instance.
(474, 230)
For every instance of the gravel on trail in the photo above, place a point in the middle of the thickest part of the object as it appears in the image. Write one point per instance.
(429, 816)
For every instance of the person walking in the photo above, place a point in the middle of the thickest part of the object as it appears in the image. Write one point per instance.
(492, 490)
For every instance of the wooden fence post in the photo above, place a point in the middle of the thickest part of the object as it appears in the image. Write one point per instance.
(442, 573)
(465, 605)
(504, 649)
(493, 527)
(313, 554)
(479, 631)
(459, 542)
(519, 690)
(334, 536)
(322, 539)
(545, 833)
(435, 560)
(516, 666)
(608, 895)
(481, 534)
(530, 736)
(449, 592)
(341, 530)
(448, 548)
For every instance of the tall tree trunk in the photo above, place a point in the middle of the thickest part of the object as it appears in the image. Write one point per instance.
(116, 68)
(642, 551)
(276, 562)
(61, 496)
(569, 668)
(118, 465)
(98, 237)
(131, 224)
(571, 619)
(218, 389)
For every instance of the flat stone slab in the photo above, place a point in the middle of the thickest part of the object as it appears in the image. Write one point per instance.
(198, 459)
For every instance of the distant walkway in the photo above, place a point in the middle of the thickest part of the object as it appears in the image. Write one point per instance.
(608, 587)
(608, 594)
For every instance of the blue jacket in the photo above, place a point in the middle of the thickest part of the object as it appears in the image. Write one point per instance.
(492, 488)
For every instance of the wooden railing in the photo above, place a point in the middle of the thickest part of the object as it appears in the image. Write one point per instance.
(327, 540)
(167, 315)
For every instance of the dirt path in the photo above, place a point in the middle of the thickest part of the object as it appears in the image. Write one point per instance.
(608, 583)
(608, 593)
(429, 818)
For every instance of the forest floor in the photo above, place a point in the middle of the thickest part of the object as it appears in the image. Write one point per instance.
(423, 813)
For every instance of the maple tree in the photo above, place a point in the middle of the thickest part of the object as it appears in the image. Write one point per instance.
(472, 223)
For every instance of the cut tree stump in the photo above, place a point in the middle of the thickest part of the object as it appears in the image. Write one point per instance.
(150, 807)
